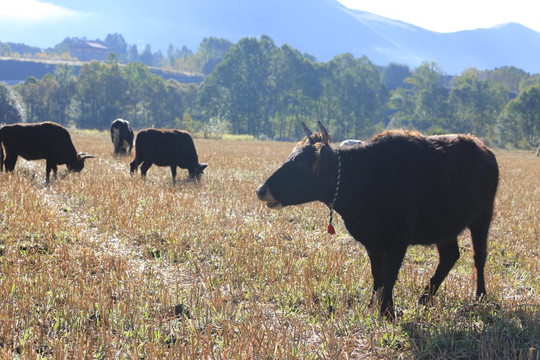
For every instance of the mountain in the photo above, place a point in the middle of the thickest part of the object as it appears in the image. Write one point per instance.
(322, 28)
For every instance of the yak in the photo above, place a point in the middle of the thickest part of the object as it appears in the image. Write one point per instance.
(398, 189)
(33, 141)
(121, 136)
(166, 148)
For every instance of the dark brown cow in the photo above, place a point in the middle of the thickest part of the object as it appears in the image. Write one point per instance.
(46, 140)
(166, 148)
(121, 136)
(398, 189)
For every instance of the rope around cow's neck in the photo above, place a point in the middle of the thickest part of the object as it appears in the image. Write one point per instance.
(330, 227)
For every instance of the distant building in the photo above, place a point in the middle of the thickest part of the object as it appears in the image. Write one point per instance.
(87, 50)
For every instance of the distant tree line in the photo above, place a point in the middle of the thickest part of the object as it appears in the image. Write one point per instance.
(255, 87)
(105, 91)
(211, 51)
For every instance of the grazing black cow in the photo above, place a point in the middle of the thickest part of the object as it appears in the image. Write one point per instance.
(167, 148)
(121, 136)
(398, 189)
(46, 140)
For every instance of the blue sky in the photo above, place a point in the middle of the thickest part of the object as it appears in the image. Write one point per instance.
(436, 15)
(454, 15)
(18, 18)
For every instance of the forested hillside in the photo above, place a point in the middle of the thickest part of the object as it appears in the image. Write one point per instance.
(266, 91)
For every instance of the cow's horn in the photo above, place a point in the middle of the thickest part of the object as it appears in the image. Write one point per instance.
(307, 131)
(324, 132)
(82, 156)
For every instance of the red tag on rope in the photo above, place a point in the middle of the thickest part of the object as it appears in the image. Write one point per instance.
(330, 229)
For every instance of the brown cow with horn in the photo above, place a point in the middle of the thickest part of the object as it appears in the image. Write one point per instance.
(163, 147)
(34, 141)
(398, 189)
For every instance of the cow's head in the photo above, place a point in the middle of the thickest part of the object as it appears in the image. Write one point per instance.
(197, 171)
(308, 174)
(78, 164)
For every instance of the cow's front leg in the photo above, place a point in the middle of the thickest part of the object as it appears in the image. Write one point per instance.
(390, 269)
(134, 165)
(173, 172)
(144, 168)
(376, 271)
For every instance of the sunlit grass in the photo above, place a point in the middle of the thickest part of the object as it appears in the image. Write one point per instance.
(237, 137)
(102, 264)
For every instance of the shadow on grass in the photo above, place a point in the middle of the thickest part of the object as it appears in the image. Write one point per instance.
(485, 331)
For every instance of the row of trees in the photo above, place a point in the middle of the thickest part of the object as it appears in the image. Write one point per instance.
(103, 92)
(264, 90)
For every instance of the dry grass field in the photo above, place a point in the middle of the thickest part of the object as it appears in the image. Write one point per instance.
(104, 265)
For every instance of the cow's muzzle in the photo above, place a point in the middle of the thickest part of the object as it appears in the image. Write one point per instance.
(264, 194)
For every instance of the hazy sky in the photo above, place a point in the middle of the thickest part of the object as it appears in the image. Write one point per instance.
(442, 16)
(455, 15)
(18, 16)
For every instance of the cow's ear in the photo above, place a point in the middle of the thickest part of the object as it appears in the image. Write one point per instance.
(203, 166)
(324, 132)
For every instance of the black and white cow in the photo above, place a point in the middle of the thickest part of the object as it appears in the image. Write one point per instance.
(121, 136)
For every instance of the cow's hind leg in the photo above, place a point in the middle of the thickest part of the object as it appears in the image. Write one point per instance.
(448, 255)
(50, 166)
(10, 162)
(479, 234)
